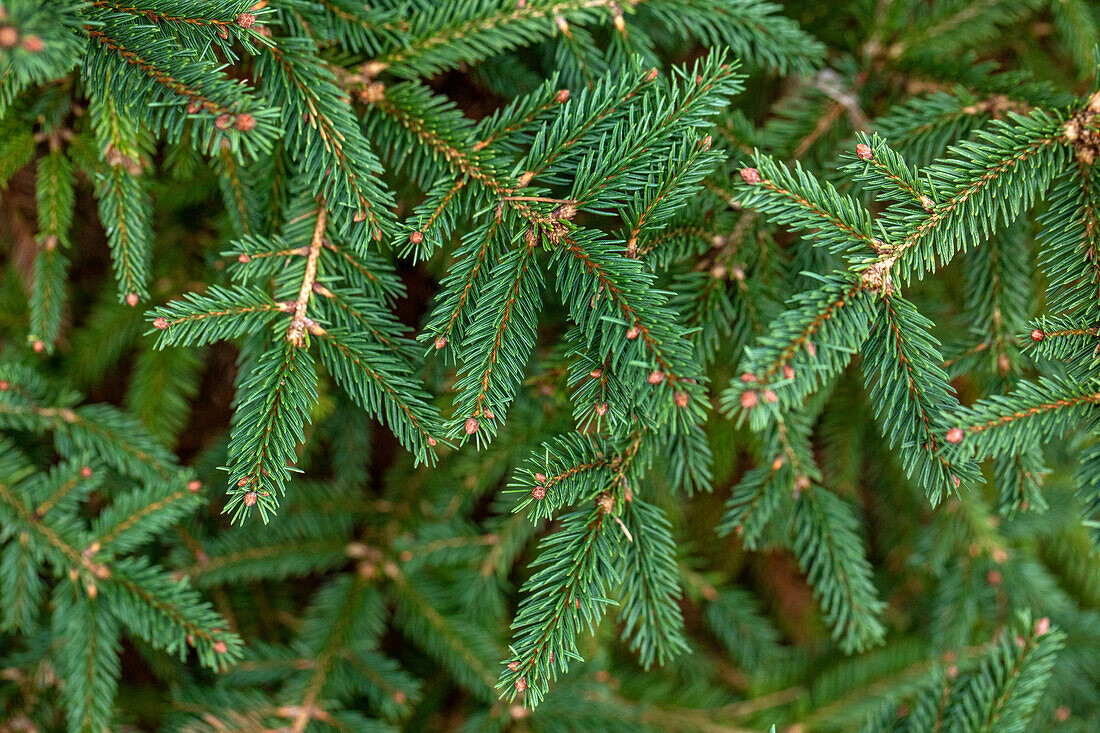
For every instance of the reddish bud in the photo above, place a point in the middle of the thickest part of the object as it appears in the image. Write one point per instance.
(8, 37)
(707, 142)
(190, 640)
(194, 106)
(748, 378)
(550, 658)
(513, 666)
(601, 408)
(223, 121)
(471, 425)
(5, 385)
(219, 647)
(160, 323)
(681, 399)
(651, 75)
(33, 44)
(596, 373)
(38, 346)
(770, 397)
(440, 342)
(863, 152)
(489, 415)
(955, 479)
(955, 435)
(244, 122)
(132, 300)
(1061, 715)
(811, 349)
(194, 486)
(788, 372)
(540, 477)
(521, 685)
(400, 697)
(431, 441)
(952, 672)
(748, 399)
(242, 482)
(244, 259)
(359, 215)
(994, 577)
(751, 176)
(1038, 335)
(538, 493)
(1042, 626)
(633, 333)
(562, 96)
(416, 237)
(656, 377)
(249, 498)
(86, 472)
(245, 20)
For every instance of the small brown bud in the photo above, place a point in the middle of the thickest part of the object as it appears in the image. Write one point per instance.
(927, 203)
(633, 333)
(601, 408)
(681, 399)
(656, 377)
(651, 75)
(5, 385)
(489, 415)
(33, 44)
(431, 441)
(1042, 626)
(540, 477)
(1061, 715)
(416, 237)
(952, 672)
(359, 215)
(86, 472)
(8, 37)
(250, 498)
(955, 435)
(596, 373)
(242, 482)
(400, 697)
(1038, 335)
(751, 176)
(770, 396)
(219, 647)
(788, 372)
(244, 122)
(471, 425)
(562, 96)
(707, 142)
(521, 684)
(863, 152)
(513, 666)
(538, 493)
(132, 300)
(994, 577)
(748, 378)
(244, 259)
(223, 121)
(748, 399)
(246, 20)
(38, 346)
(160, 323)
(194, 486)
(440, 342)
(194, 106)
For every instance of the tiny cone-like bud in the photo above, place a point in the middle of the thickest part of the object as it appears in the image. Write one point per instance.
(633, 333)
(5, 385)
(416, 237)
(1042, 626)
(194, 106)
(562, 96)
(250, 498)
(33, 44)
(513, 666)
(994, 577)
(863, 152)
(245, 20)
(788, 372)
(596, 373)
(770, 396)
(521, 685)
(538, 493)
(751, 176)
(440, 342)
(472, 425)
(601, 409)
(132, 300)
(748, 378)
(194, 486)
(8, 37)
(242, 482)
(540, 477)
(359, 216)
(219, 647)
(956, 481)
(1038, 335)
(955, 435)
(38, 346)
(656, 377)
(748, 399)
(681, 399)
(86, 472)
(952, 672)
(489, 415)
(223, 121)
(243, 259)
(244, 122)
(160, 323)
(651, 75)
(431, 441)
(927, 203)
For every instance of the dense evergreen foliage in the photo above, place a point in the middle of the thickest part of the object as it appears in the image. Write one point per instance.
(550, 365)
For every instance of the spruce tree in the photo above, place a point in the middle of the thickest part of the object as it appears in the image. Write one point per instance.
(550, 365)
